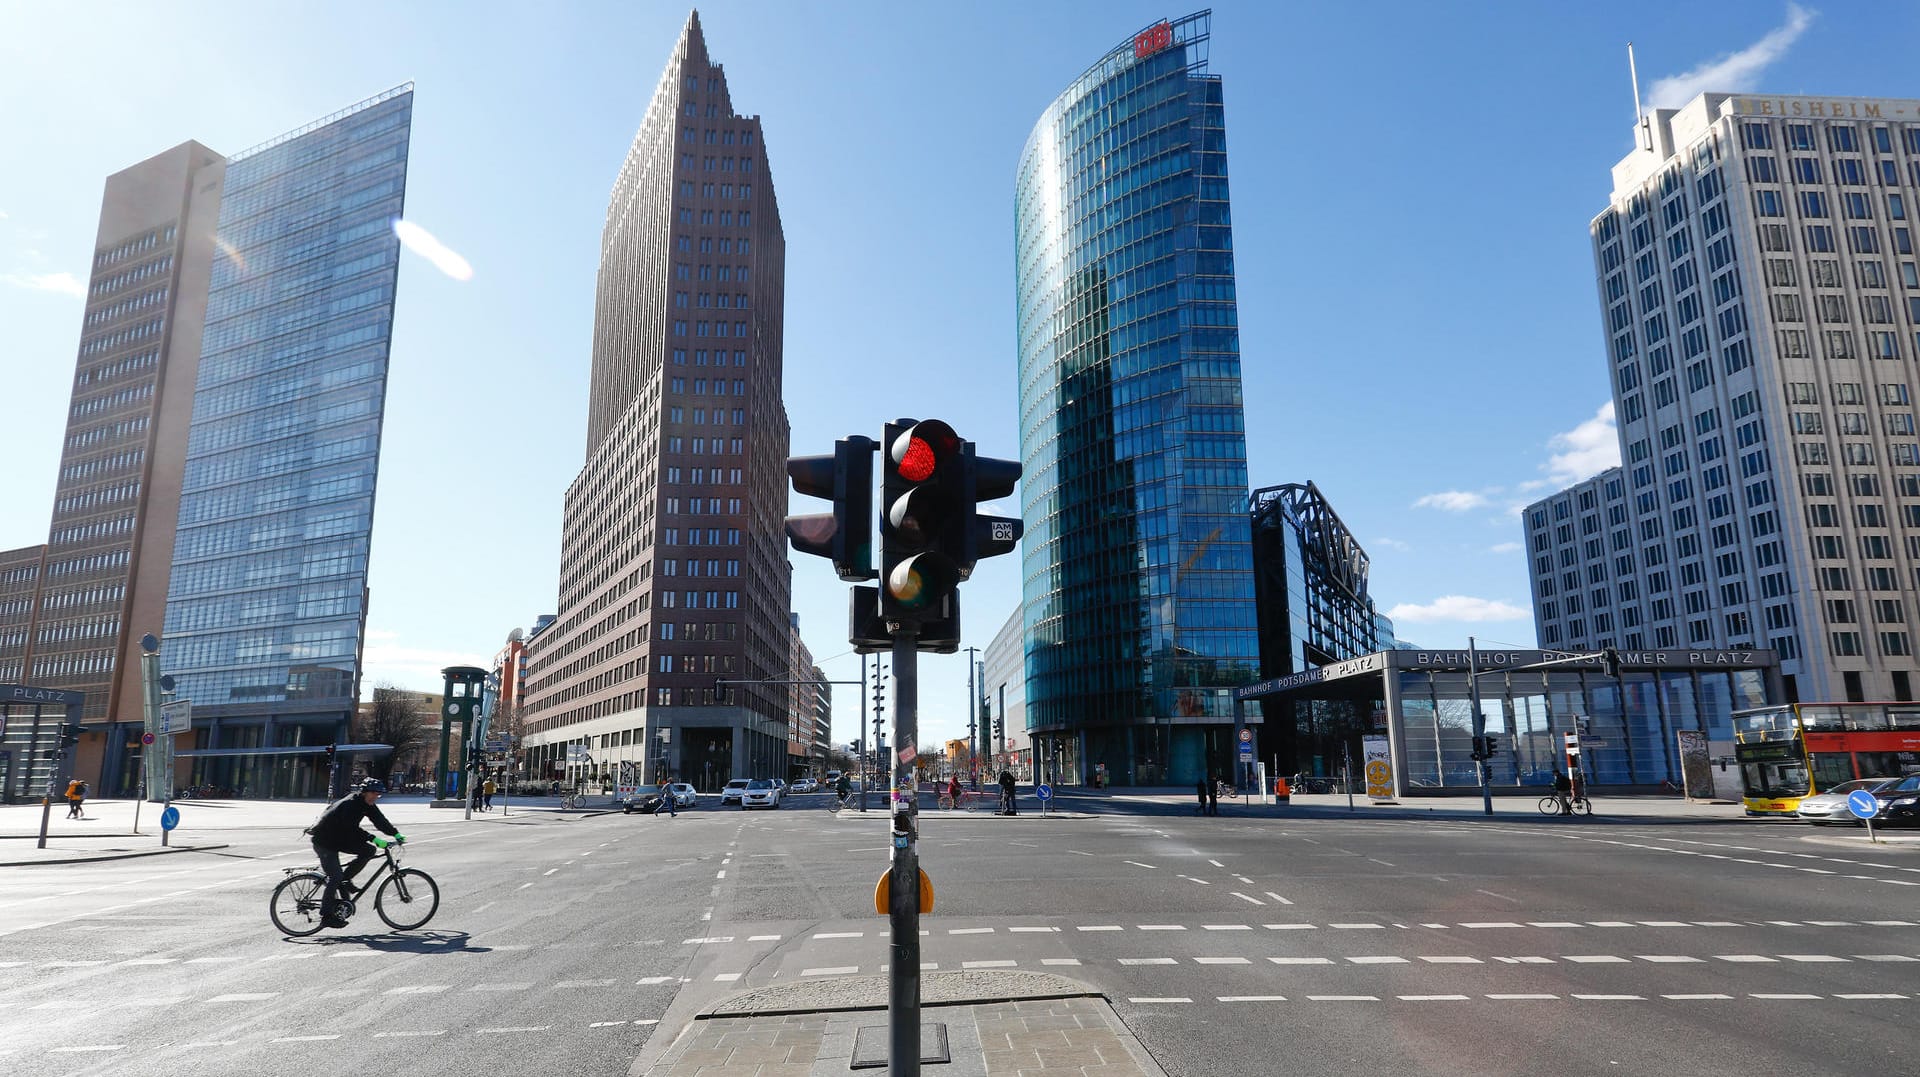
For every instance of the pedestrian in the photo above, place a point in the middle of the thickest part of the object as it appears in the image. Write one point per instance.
(487, 791)
(1213, 795)
(1200, 788)
(1006, 793)
(76, 796)
(668, 800)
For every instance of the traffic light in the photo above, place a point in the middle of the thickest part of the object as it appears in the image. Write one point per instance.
(330, 754)
(924, 523)
(1491, 748)
(1479, 748)
(1610, 662)
(867, 629)
(1000, 729)
(845, 535)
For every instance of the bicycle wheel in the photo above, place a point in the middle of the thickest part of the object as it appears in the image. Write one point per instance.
(1549, 805)
(407, 899)
(295, 905)
(969, 803)
(945, 803)
(835, 805)
(1583, 806)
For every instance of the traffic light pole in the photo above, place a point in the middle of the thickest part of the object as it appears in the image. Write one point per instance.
(973, 718)
(903, 905)
(1479, 726)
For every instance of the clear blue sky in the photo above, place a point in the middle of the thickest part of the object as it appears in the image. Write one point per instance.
(1411, 188)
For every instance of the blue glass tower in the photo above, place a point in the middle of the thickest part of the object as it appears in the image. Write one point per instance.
(266, 603)
(1139, 609)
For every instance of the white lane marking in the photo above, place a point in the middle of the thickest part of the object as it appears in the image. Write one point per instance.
(1785, 997)
(1059, 961)
(1538, 960)
(1441, 927)
(1668, 959)
(517, 1028)
(1252, 998)
(839, 934)
(1832, 923)
(75, 964)
(418, 989)
(1752, 959)
(1301, 960)
(484, 908)
(836, 970)
(359, 953)
(1137, 864)
(208, 1043)
(1032, 929)
(521, 986)
(1216, 863)
(1612, 998)
(1343, 998)
(707, 941)
(1163, 927)
(1290, 927)
(1153, 1000)
(1277, 898)
(648, 981)
(969, 931)
(1244, 897)
(257, 996)
(1608, 923)
(204, 960)
(1665, 923)
(1491, 923)
(1452, 959)
(410, 1035)
(523, 886)
(549, 871)
(304, 1039)
(93, 1047)
(583, 983)
(1353, 927)
(648, 1021)
(1221, 961)
(763, 938)
(1227, 927)
(1884, 957)
(171, 960)
(1099, 927)
(1521, 998)
(1594, 959)
(1077, 852)
(1811, 958)
(605, 1024)
(1148, 961)
(726, 977)
(1190, 878)
(1888, 994)
(1026, 844)
(1888, 923)
(1433, 998)
(997, 964)
(1696, 998)
(1553, 923)
(1378, 960)
(721, 874)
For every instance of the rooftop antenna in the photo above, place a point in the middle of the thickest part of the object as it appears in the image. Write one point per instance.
(1643, 131)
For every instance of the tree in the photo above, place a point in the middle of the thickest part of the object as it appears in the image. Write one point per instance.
(397, 720)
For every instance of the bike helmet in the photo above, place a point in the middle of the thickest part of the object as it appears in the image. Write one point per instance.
(373, 785)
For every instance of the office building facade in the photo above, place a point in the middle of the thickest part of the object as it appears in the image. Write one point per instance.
(266, 604)
(673, 569)
(1137, 556)
(1757, 283)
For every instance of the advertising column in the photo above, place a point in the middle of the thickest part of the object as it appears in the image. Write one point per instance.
(1378, 768)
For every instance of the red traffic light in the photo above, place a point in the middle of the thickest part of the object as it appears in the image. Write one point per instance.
(916, 462)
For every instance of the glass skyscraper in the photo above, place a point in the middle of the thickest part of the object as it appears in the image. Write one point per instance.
(266, 604)
(1139, 610)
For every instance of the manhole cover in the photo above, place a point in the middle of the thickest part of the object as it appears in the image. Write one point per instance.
(870, 1046)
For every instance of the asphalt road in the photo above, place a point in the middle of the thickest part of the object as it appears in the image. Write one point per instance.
(1231, 945)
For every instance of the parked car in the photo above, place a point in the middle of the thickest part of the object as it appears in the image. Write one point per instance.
(731, 794)
(684, 795)
(1831, 806)
(646, 801)
(806, 785)
(760, 793)
(1899, 801)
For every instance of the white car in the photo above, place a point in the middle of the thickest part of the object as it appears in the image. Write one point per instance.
(806, 785)
(759, 793)
(732, 793)
(684, 795)
(1830, 806)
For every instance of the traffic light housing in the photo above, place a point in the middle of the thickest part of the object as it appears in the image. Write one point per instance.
(845, 535)
(867, 629)
(923, 522)
(1490, 748)
(330, 749)
(1479, 748)
(1610, 662)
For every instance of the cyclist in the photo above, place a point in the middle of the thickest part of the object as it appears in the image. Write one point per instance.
(953, 790)
(338, 831)
(1562, 787)
(843, 788)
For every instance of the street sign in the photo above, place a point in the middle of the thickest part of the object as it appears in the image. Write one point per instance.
(1043, 791)
(1862, 804)
(170, 818)
(1246, 736)
(176, 716)
(146, 738)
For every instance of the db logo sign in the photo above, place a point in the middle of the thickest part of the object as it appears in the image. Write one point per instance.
(1152, 40)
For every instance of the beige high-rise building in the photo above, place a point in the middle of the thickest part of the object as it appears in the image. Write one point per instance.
(673, 572)
(1758, 291)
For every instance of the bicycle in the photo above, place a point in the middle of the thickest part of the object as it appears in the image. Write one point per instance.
(1554, 805)
(406, 900)
(969, 800)
(838, 804)
(570, 801)
(1227, 791)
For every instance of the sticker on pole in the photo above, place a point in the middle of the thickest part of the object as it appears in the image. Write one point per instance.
(1862, 804)
(170, 818)
(1043, 791)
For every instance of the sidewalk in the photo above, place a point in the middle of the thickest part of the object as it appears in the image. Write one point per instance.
(979, 1024)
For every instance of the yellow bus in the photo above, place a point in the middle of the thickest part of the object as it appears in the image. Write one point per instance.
(1792, 751)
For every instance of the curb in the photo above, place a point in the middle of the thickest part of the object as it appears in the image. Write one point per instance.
(123, 855)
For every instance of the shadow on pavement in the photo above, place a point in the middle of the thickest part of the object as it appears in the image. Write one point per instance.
(420, 942)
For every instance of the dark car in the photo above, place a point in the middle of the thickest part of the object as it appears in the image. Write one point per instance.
(1899, 802)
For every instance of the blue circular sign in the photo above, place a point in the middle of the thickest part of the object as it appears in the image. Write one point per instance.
(170, 818)
(1862, 804)
(1044, 792)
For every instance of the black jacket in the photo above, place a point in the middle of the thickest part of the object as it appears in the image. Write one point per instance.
(339, 826)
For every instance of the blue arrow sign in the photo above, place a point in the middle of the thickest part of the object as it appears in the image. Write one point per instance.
(1043, 791)
(170, 818)
(1862, 804)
